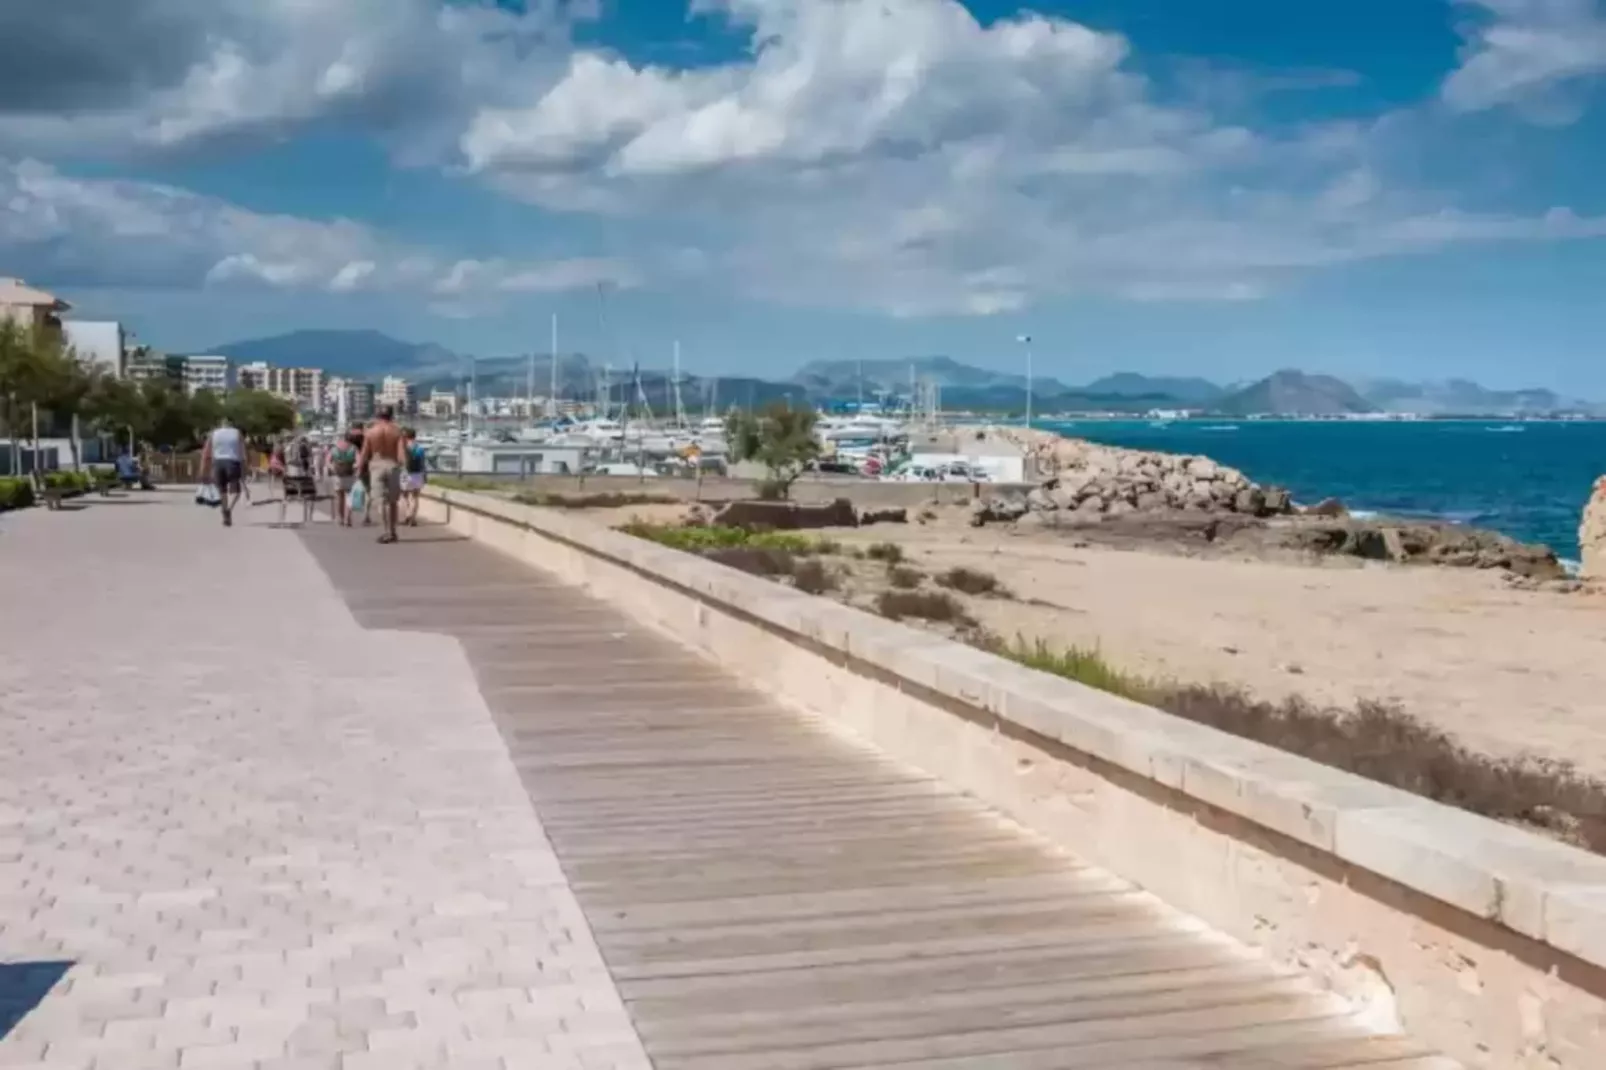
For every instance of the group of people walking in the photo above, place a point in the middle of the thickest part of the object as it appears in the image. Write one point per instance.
(379, 460)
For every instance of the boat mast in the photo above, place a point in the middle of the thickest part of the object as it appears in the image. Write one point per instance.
(552, 394)
(680, 409)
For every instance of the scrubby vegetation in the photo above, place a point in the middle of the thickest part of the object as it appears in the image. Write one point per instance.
(904, 578)
(889, 552)
(937, 606)
(970, 581)
(1379, 741)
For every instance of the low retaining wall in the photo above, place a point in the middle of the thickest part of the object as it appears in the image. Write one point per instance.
(864, 493)
(1486, 941)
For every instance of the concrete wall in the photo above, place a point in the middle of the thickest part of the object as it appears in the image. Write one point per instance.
(1486, 941)
(863, 492)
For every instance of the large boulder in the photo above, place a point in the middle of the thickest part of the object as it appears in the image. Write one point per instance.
(1592, 534)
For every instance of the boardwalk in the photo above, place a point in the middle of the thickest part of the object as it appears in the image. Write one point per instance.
(421, 803)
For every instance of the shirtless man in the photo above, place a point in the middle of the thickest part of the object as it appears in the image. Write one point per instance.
(383, 454)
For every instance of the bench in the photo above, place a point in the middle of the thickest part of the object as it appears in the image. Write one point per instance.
(52, 497)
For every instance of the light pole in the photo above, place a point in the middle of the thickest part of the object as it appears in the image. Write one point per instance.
(1026, 340)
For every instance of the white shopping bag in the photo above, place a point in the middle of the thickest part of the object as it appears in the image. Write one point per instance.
(206, 494)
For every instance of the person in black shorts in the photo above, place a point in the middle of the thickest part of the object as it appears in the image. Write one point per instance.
(223, 457)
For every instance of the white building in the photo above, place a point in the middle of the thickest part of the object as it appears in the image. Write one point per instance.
(303, 386)
(523, 459)
(399, 394)
(354, 398)
(100, 343)
(29, 307)
(206, 373)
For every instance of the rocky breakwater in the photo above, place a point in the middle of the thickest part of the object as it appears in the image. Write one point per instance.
(1088, 481)
(1188, 504)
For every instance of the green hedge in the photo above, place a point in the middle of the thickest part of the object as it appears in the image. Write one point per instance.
(15, 494)
(70, 482)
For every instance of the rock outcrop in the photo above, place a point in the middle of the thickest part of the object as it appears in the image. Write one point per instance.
(1592, 535)
(1085, 482)
(1122, 496)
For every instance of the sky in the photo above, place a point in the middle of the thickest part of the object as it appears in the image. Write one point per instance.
(1375, 188)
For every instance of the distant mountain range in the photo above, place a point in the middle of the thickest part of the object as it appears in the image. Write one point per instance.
(372, 355)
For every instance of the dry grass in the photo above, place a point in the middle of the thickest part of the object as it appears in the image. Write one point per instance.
(1375, 740)
(813, 577)
(938, 606)
(904, 578)
(889, 552)
(970, 581)
(755, 560)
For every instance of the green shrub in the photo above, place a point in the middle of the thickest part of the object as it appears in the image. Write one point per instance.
(69, 482)
(703, 539)
(15, 494)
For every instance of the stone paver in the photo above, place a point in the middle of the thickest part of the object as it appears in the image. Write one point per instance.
(264, 836)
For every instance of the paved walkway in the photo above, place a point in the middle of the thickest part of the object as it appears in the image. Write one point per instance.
(302, 834)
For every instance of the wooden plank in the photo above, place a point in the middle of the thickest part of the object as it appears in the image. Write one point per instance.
(770, 895)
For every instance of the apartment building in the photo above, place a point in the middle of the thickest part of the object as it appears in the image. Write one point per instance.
(442, 404)
(351, 398)
(101, 344)
(307, 387)
(399, 394)
(203, 372)
(30, 307)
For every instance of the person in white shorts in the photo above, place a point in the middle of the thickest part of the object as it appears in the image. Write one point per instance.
(413, 475)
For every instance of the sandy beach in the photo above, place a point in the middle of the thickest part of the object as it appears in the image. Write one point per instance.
(1507, 671)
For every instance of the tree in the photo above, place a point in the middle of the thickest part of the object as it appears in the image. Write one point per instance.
(16, 372)
(39, 374)
(780, 438)
(116, 409)
(259, 415)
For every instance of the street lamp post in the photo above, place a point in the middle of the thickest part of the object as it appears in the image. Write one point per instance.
(1026, 340)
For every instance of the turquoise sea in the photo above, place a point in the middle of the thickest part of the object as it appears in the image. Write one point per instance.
(1528, 480)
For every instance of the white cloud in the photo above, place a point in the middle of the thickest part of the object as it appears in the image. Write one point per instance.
(891, 155)
(98, 75)
(106, 232)
(898, 155)
(1525, 53)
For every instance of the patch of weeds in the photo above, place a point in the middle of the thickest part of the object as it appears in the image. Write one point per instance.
(938, 606)
(702, 538)
(813, 577)
(691, 539)
(1081, 665)
(970, 581)
(904, 578)
(1376, 740)
(889, 552)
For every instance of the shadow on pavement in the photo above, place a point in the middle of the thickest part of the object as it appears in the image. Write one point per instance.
(23, 986)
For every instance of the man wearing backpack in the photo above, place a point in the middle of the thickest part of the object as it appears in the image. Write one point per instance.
(343, 470)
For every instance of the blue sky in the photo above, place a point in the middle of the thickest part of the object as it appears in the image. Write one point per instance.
(1407, 188)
